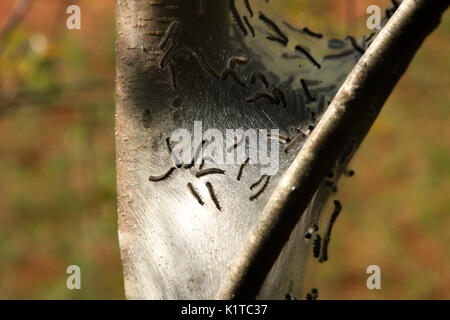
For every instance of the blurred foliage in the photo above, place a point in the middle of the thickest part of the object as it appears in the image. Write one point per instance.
(57, 182)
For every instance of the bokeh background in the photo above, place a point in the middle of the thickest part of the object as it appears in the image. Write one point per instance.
(57, 171)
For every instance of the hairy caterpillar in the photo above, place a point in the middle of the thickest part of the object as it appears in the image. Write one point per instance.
(229, 72)
(264, 187)
(237, 18)
(279, 95)
(355, 44)
(191, 53)
(326, 239)
(253, 186)
(273, 26)
(235, 61)
(259, 75)
(213, 195)
(249, 8)
(316, 246)
(263, 95)
(241, 169)
(313, 295)
(307, 92)
(277, 39)
(162, 177)
(195, 193)
(209, 171)
(171, 33)
(308, 56)
(250, 27)
(196, 155)
(172, 156)
(336, 44)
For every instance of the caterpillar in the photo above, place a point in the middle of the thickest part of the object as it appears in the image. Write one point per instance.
(370, 36)
(308, 56)
(162, 177)
(350, 173)
(229, 72)
(279, 95)
(234, 61)
(312, 34)
(355, 44)
(307, 92)
(312, 82)
(253, 186)
(213, 195)
(304, 30)
(316, 246)
(326, 239)
(202, 164)
(171, 33)
(313, 295)
(209, 171)
(294, 141)
(165, 56)
(264, 187)
(321, 104)
(336, 44)
(319, 200)
(241, 169)
(331, 185)
(277, 39)
(249, 8)
(196, 155)
(237, 18)
(273, 26)
(172, 78)
(263, 95)
(281, 138)
(172, 156)
(195, 193)
(200, 60)
(259, 75)
(236, 144)
(250, 27)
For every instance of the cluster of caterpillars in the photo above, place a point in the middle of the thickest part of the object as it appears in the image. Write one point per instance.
(200, 173)
(263, 181)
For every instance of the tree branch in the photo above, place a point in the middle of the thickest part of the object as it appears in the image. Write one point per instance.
(349, 117)
(16, 15)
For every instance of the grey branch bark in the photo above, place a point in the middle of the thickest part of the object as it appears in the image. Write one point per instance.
(350, 116)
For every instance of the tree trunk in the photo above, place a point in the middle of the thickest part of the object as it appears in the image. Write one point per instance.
(227, 66)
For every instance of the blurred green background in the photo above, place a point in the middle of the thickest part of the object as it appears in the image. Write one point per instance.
(57, 171)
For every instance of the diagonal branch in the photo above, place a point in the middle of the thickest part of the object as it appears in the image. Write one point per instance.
(350, 116)
(16, 15)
